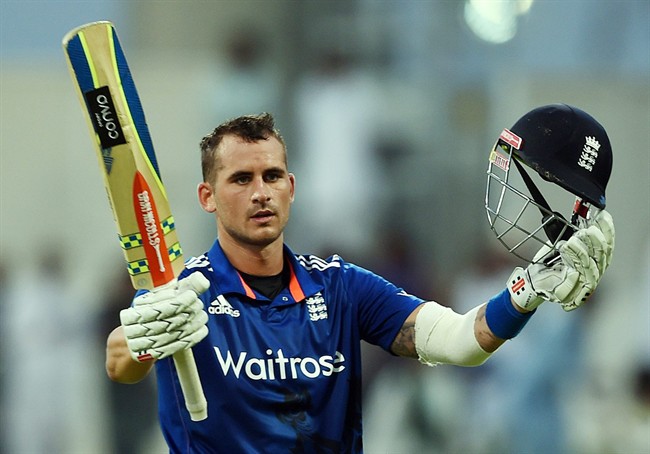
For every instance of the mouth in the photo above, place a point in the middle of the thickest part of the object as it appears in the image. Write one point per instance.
(262, 216)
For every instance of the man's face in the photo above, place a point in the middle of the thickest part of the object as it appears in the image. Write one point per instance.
(252, 192)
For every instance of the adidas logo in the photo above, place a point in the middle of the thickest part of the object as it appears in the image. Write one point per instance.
(221, 306)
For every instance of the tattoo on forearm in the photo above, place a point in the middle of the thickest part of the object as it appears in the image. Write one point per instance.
(404, 343)
(480, 315)
(486, 339)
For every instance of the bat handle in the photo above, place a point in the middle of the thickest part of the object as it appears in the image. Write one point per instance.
(188, 375)
(191, 385)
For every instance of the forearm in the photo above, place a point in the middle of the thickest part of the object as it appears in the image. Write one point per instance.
(120, 367)
(436, 334)
(487, 340)
(444, 336)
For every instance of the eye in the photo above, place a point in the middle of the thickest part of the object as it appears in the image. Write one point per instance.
(241, 179)
(273, 176)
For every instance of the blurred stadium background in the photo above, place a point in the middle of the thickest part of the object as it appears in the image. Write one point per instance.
(389, 109)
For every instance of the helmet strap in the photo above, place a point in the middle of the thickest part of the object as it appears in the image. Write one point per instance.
(555, 229)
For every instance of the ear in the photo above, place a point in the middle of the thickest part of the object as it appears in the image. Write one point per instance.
(292, 181)
(206, 197)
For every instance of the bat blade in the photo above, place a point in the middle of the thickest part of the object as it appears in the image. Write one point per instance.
(137, 196)
(125, 152)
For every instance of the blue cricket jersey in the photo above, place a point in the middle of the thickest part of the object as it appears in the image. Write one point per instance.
(282, 375)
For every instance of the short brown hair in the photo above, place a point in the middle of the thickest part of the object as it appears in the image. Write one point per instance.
(250, 128)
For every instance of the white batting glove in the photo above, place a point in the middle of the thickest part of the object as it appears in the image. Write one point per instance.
(571, 278)
(168, 320)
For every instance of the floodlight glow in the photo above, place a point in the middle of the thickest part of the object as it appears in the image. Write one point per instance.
(495, 21)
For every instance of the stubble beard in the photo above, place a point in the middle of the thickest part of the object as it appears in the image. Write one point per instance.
(262, 236)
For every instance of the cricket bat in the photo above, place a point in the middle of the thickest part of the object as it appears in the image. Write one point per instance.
(145, 225)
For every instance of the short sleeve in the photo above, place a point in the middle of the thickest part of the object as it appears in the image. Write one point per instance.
(382, 307)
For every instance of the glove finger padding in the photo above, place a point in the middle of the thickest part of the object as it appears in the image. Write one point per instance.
(580, 254)
(605, 223)
(168, 324)
(598, 248)
(161, 338)
(164, 305)
(167, 320)
(164, 338)
(575, 254)
(196, 282)
(574, 290)
(162, 349)
(189, 341)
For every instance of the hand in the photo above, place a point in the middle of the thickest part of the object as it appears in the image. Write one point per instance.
(571, 278)
(165, 321)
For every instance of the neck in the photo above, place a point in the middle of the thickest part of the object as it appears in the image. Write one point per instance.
(256, 260)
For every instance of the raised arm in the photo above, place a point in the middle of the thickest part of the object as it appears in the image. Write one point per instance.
(436, 334)
(120, 367)
(159, 324)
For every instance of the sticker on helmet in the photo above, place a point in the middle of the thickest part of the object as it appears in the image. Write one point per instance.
(499, 160)
(511, 138)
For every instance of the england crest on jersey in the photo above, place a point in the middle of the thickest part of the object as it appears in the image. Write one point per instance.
(316, 307)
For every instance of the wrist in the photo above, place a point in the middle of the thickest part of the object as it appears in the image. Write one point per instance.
(120, 365)
(503, 318)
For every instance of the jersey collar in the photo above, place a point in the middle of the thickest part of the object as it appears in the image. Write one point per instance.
(301, 285)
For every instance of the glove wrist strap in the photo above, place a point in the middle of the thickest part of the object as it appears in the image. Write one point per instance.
(520, 289)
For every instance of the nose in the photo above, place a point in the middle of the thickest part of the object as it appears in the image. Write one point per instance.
(261, 193)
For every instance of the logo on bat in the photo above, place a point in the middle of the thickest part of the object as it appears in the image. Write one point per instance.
(153, 238)
(104, 117)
